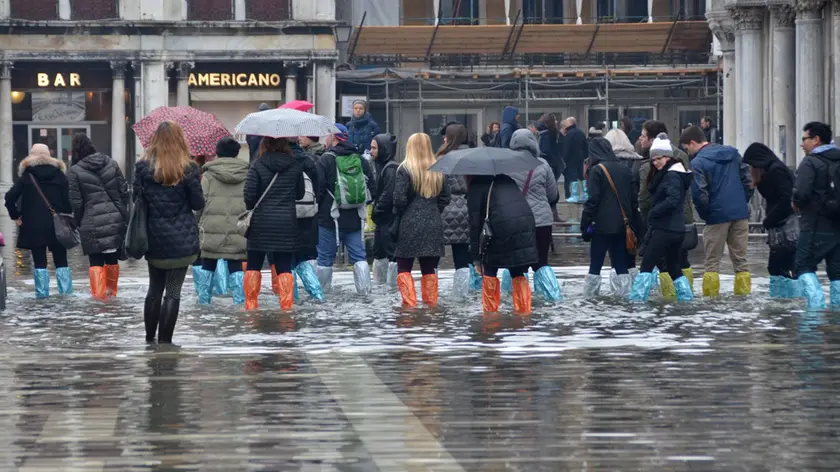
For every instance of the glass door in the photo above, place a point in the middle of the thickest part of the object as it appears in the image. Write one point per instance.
(66, 140)
(58, 139)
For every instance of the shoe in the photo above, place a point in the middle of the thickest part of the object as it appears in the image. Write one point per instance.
(286, 284)
(380, 271)
(361, 277)
(521, 296)
(573, 190)
(743, 284)
(151, 317)
(236, 284)
(324, 274)
(220, 278)
(641, 287)
(309, 278)
(666, 286)
(275, 285)
(461, 283)
(204, 285)
(168, 318)
(112, 279)
(98, 282)
(689, 275)
(491, 295)
(546, 284)
(476, 280)
(778, 287)
(812, 290)
(621, 285)
(405, 282)
(684, 292)
(711, 284)
(592, 286)
(65, 280)
(253, 283)
(585, 190)
(42, 283)
(429, 289)
(834, 293)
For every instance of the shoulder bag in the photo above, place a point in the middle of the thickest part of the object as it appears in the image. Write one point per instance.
(631, 242)
(244, 221)
(527, 185)
(487, 229)
(66, 231)
(691, 238)
(137, 235)
(785, 236)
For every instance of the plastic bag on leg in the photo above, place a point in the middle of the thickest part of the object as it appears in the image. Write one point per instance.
(361, 277)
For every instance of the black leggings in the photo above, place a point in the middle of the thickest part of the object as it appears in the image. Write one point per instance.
(427, 264)
(514, 271)
(210, 264)
(39, 256)
(667, 244)
(781, 262)
(282, 261)
(170, 280)
(461, 255)
(101, 260)
(543, 245)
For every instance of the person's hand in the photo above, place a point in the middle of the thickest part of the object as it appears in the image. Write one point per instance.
(19, 222)
(586, 236)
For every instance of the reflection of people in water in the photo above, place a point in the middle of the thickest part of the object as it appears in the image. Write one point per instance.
(166, 409)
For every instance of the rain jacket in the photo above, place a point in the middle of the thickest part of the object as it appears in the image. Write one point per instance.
(308, 227)
(602, 209)
(646, 196)
(456, 216)
(776, 185)
(386, 176)
(421, 227)
(669, 188)
(24, 202)
(813, 188)
(509, 125)
(722, 185)
(542, 189)
(362, 130)
(274, 225)
(348, 220)
(99, 194)
(223, 184)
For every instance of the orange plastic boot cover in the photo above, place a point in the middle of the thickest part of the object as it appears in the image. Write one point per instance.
(112, 274)
(429, 288)
(286, 284)
(405, 282)
(253, 282)
(491, 294)
(521, 296)
(98, 282)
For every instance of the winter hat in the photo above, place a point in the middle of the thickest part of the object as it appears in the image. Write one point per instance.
(342, 132)
(595, 132)
(228, 147)
(264, 106)
(524, 140)
(360, 102)
(661, 147)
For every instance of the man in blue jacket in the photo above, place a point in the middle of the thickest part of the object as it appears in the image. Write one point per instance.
(510, 123)
(721, 192)
(362, 127)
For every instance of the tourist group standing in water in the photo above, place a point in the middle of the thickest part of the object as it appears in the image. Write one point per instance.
(302, 197)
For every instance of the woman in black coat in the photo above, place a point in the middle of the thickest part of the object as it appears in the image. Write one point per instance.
(274, 224)
(308, 227)
(29, 210)
(513, 245)
(774, 181)
(99, 194)
(383, 149)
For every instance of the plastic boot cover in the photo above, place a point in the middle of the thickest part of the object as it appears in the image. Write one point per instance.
(689, 275)
(151, 317)
(521, 296)
(168, 319)
(429, 289)
(42, 283)
(584, 190)
(112, 280)
(834, 292)
(507, 282)
(98, 282)
(325, 278)
(476, 281)
(204, 285)
(361, 277)
(491, 294)
(684, 293)
(795, 289)
(778, 286)
(286, 282)
(236, 284)
(253, 284)
(220, 281)
(633, 273)
(380, 271)
(592, 286)
(307, 276)
(461, 283)
(196, 273)
(65, 280)
(655, 286)
(546, 284)
(393, 269)
(621, 285)
(666, 286)
(573, 190)
(812, 290)
(641, 287)
(711, 284)
(405, 282)
(743, 283)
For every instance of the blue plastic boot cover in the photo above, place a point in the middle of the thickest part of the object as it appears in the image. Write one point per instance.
(475, 279)
(813, 291)
(204, 285)
(197, 270)
(794, 288)
(655, 284)
(507, 282)
(295, 292)
(641, 287)
(309, 278)
(64, 280)
(545, 284)
(573, 190)
(236, 284)
(684, 292)
(835, 293)
(585, 190)
(778, 286)
(42, 283)
(220, 281)
(461, 283)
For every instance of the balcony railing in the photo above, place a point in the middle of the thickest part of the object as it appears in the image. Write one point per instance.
(539, 20)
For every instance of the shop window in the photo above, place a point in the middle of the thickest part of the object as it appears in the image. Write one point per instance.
(209, 10)
(543, 11)
(93, 9)
(459, 12)
(269, 10)
(37, 10)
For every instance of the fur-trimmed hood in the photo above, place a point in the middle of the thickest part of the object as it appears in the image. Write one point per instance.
(38, 159)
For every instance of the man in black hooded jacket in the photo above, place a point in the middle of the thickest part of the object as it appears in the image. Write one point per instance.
(383, 149)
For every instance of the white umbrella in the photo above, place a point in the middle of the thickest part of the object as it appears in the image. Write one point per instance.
(286, 123)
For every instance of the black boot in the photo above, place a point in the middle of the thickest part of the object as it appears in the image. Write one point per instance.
(151, 317)
(168, 318)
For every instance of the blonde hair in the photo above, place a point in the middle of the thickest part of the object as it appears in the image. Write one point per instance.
(418, 159)
(168, 153)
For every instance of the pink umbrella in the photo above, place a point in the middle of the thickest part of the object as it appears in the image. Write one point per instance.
(203, 130)
(300, 105)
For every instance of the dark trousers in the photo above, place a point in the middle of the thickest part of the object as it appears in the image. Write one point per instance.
(543, 245)
(39, 256)
(210, 264)
(169, 280)
(383, 245)
(101, 260)
(514, 271)
(663, 244)
(282, 261)
(612, 243)
(306, 254)
(782, 262)
(813, 248)
(427, 264)
(461, 255)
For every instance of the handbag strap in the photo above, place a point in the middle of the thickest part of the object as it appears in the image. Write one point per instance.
(615, 191)
(487, 207)
(40, 192)
(527, 183)
(265, 192)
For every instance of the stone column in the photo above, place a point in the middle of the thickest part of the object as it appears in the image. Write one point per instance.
(723, 27)
(784, 83)
(291, 71)
(184, 69)
(810, 87)
(325, 93)
(5, 9)
(7, 157)
(155, 85)
(749, 53)
(118, 114)
(240, 11)
(139, 100)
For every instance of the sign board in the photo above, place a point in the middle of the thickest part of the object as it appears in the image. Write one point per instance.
(347, 104)
(234, 80)
(58, 107)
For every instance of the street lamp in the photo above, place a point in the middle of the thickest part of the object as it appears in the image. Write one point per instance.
(342, 33)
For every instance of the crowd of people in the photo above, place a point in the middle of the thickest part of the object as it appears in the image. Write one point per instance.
(309, 195)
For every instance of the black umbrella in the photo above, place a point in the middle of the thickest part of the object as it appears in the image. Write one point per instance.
(485, 161)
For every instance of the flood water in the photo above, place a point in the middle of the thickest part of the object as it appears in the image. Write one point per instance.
(358, 384)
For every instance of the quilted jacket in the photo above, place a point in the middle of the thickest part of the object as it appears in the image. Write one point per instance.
(99, 194)
(274, 225)
(456, 216)
(222, 183)
(542, 189)
(421, 229)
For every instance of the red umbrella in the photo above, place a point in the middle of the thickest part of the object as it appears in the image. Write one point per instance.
(300, 105)
(203, 130)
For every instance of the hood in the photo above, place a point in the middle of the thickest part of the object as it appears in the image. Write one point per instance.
(387, 148)
(37, 160)
(228, 170)
(524, 140)
(359, 122)
(600, 150)
(685, 175)
(94, 162)
(760, 156)
(828, 151)
(276, 161)
(344, 148)
(719, 154)
(621, 144)
(509, 115)
(316, 148)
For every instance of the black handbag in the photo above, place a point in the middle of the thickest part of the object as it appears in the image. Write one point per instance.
(785, 236)
(66, 232)
(137, 235)
(486, 229)
(690, 239)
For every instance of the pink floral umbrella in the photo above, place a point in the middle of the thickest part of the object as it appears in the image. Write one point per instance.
(203, 130)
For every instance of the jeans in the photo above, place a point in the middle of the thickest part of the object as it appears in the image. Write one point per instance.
(461, 255)
(101, 260)
(614, 244)
(667, 244)
(734, 234)
(816, 247)
(328, 247)
(427, 264)
(39, 256)
(233, 265)
(282, 261)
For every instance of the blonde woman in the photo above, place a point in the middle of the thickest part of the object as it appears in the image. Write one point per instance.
(420, 196)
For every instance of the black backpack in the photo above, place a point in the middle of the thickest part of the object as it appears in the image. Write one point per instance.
(831, 205)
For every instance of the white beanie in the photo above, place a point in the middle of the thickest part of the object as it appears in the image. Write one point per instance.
(661, 147)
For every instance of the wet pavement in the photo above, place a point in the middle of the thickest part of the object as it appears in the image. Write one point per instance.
(358, 384)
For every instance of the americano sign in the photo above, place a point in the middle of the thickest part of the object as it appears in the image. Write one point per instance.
(223, 79)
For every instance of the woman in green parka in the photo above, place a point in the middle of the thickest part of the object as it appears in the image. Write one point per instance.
(223, 184)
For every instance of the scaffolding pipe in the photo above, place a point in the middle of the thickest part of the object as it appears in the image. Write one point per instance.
(387, 108)
(719, 98)
(527, 97)
(607, 99)
(420, 99)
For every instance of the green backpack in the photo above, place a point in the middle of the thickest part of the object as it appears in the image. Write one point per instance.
(351, 190)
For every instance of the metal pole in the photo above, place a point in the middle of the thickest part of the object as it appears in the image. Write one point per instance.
(607, 98)
(420, 98)
(387, 106)
(719, 99)
(527, 103)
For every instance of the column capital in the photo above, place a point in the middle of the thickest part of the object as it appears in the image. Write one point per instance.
(138, 68)
(783, 16)
(747, 18)
(809, 9)
(184, 69)
(290, 68)
(6, 69)
(723, 27)
(118, 69)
